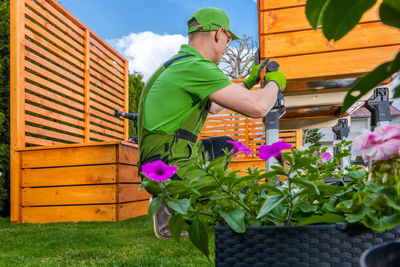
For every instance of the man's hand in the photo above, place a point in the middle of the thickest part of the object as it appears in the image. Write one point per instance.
(255, 73)
(278, 77)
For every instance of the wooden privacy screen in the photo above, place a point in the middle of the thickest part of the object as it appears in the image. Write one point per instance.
(66, 81)
(304, 54)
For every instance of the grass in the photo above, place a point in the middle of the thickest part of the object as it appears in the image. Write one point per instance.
(127, 243)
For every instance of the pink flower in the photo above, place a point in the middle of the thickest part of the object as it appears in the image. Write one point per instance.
(381, 144)
(274, 150)
(239, 147)
(325, 157)
(158, 170)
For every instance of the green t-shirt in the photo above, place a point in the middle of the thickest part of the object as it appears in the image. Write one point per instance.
(177, 91)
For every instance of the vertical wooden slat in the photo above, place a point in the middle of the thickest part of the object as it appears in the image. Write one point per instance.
(299, 138)
(126, 100)
(17, 112)
(87, 87)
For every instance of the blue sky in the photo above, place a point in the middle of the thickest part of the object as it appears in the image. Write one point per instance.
(149, 32)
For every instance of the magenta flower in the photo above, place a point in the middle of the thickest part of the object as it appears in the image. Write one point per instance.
(158, 170)
(239, 147)
(381, 144)
(325, 157)
(274, 150)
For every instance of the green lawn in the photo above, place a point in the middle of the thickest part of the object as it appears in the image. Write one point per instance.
(126, 243)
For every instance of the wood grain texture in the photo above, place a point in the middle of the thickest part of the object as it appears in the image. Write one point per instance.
(131, 192)
(132, 209)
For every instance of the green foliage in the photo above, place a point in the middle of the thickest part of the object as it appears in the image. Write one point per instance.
(136, 86)
(4, 106)
(312, 136)
(337, 18)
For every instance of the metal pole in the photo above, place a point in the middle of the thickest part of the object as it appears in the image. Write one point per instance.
(341, 130)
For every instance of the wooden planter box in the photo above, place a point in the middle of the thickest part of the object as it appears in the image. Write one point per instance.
(93, 182)
(338, 245)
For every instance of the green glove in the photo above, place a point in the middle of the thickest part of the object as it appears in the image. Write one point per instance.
(255, 73)
(278, 77)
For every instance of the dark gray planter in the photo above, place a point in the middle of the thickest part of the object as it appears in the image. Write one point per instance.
(338, 245)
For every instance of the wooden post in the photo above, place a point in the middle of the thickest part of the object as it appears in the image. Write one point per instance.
(87, 87)
(17, 103)
(126, 101)
(299, 138)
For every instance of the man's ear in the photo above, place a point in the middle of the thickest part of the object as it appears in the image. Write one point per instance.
(218, 35)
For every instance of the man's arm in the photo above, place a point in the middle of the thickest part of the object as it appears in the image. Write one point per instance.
(254, 104)
(215, 108)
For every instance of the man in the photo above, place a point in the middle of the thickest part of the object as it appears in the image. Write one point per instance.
(177, 98)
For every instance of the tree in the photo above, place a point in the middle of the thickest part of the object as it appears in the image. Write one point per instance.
(237, 60)
(312, 136)
(136, 86)
(4, 106)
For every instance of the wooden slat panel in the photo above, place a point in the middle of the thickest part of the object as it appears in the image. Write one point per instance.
(49, 6)
(54, 58)
(294, 19)
(273, 4)
(53, 105)
(325, 66)
(116, 83)
(130, 192)
(111, 70)
(53, 77)
(71, 38)
(36, 28)
(107, 124)
(105, 83)
(128, 154)
(41, 142)
(106, 109)
(53, 124)
(69, 213)
(106, 131)
(99, 57)
(104, 91)
(53, 49)
(74, 156)
(53, 115)
(80, 175)
(128, 174)
(132, 209)
(52, 134)
(106, 113)
(43, 92)
(102, 137)
(104, 102)
(305, 42)
(106, 51)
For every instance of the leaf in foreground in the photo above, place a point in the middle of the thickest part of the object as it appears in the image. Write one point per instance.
(154, 206)
(198, 235)
(270, 203)
(175, 226)
(314, 11)
(235, 219)
(326, 218)
(181, 206)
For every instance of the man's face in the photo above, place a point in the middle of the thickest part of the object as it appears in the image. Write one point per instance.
(223, 38)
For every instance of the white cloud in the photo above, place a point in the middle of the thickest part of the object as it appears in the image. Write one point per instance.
(146, 51)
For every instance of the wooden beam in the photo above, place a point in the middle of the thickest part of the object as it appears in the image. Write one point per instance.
(309, 123)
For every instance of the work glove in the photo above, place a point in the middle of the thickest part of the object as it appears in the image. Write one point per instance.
(278, 77)
(255, 73)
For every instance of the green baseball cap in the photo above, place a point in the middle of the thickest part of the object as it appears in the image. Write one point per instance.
(210, 19)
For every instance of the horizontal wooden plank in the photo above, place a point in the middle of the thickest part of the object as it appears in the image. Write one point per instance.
(102, 130)
(53, 115)
(56, 97)
(52, 48)
(52, 77)
(106, 124)
(100, 58)
(104, 101)
(128, 174)
(49, 6)
(325, 66)
(50, 85)
(128, 154)
(92, 144)
(52, 134)
(53, 124)
(102, 138)
(53, 25)
(106, 116)
(77, 175)
(131, 192)
(110, 69)
(244, 165)
(69, 156)
(104, 82)
(69, 213)
(132, 209)
(104, 91)
(48, 36)
(108, 112)
(41, 142)
(310, 41)
(294, 19)
(273, 4)
(116, 82)
(104, 48)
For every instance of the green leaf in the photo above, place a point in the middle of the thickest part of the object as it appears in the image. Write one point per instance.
(307, 184)
(271, 188)
(326, 218)
(385, 223)
(154, 206)
(270, 203)
(391, 201)
(358, 174)
(175, 226)
(198, 235)
(235, 219)
(340, 16)
(218, 197)
(370, 81)
(328, 206)
(314, 11)
(308, 208)
(151, 186)
(181, 206)
(389, 14)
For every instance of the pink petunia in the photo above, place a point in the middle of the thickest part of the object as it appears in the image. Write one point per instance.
(158, 170)
(325, 157)
(239, 147)
(274, 150)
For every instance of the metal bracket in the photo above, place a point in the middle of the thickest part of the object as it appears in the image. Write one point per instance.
(379, 106)
(341, 130)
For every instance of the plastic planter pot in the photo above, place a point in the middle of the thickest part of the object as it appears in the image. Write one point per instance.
(311, 245)
(383, 255)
